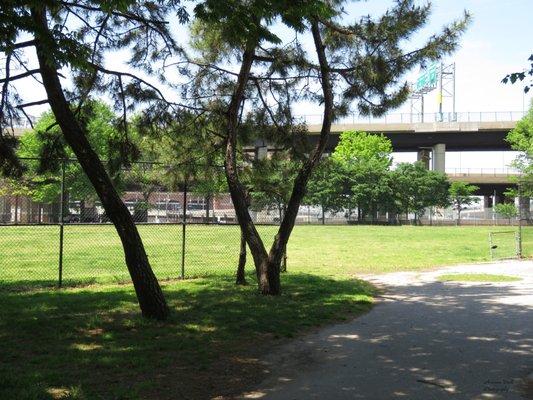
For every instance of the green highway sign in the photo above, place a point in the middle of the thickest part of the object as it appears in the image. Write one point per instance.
(428, 80)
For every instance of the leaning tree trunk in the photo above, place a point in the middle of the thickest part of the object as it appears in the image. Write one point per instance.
(241, 278)
(149, 294)
(236, 189)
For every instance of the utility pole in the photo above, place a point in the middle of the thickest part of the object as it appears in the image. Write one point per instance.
(440, 92)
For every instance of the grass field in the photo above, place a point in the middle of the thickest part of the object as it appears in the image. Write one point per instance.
(93, 253)
(89, 342)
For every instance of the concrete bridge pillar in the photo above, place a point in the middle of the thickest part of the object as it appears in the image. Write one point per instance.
(439, 157)
(487, 202)
(424, 155)
(261, 152)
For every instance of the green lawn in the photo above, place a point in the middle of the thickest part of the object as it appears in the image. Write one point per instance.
(89, 342)
(93, 253)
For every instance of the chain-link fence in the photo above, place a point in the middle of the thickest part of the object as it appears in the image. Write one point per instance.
(92, 253)
(53, 228)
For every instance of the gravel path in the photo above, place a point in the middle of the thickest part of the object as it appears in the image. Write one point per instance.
(424, 340)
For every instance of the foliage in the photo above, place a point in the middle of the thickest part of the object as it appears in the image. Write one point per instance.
(270, 182)
(326, 186)
(360, 176)
(520, 76)
(521, 139)
(366, 160)
(461, 195)
(187, 151)
(78, 39)
(508, 210)
(45, 148)
(417, 188)
(361, 148)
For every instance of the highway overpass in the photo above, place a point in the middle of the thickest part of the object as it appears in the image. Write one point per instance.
(431, 136)
(491, 181)
(455, 136)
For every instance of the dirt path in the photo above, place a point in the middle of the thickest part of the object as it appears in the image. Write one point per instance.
(424, 340)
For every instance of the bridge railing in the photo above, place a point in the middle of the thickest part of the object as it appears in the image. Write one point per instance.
(412, 118)
(482, 171)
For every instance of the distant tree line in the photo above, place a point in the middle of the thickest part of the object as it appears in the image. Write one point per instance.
(359, 177)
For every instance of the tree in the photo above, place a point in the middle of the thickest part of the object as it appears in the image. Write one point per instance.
(366, 160)
(521, 75)
(417, 188)
(461, 195)
(79, 49)
(270, 183)
(521, 139)
(188, 149)
(45, 153)
(352, 65)
(326, 187)
(508, 210)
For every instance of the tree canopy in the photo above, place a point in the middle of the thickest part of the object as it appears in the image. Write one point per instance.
(461, 196)
(521, 139)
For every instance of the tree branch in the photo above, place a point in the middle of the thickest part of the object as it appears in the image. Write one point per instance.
(20, 76)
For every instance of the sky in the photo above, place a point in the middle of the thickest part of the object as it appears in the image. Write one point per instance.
(498, 41)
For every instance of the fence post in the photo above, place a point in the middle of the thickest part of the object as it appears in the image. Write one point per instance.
(61, 221)
(519, 233)
(491, 246)
(183, 231)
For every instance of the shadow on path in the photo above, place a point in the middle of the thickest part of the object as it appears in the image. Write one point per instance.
(426, 340)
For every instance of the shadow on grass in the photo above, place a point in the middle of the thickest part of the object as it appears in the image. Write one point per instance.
(85, 343)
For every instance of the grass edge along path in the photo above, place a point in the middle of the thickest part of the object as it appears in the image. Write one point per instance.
(91, 343)
(468, 277)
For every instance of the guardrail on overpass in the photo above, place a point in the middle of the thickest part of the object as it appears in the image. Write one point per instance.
(482, 171)
(412, 118)
(483, 176)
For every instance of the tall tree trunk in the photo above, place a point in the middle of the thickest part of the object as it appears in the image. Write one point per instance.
(300, 183)
(236, 189)
(149, 294)
(241, 278)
